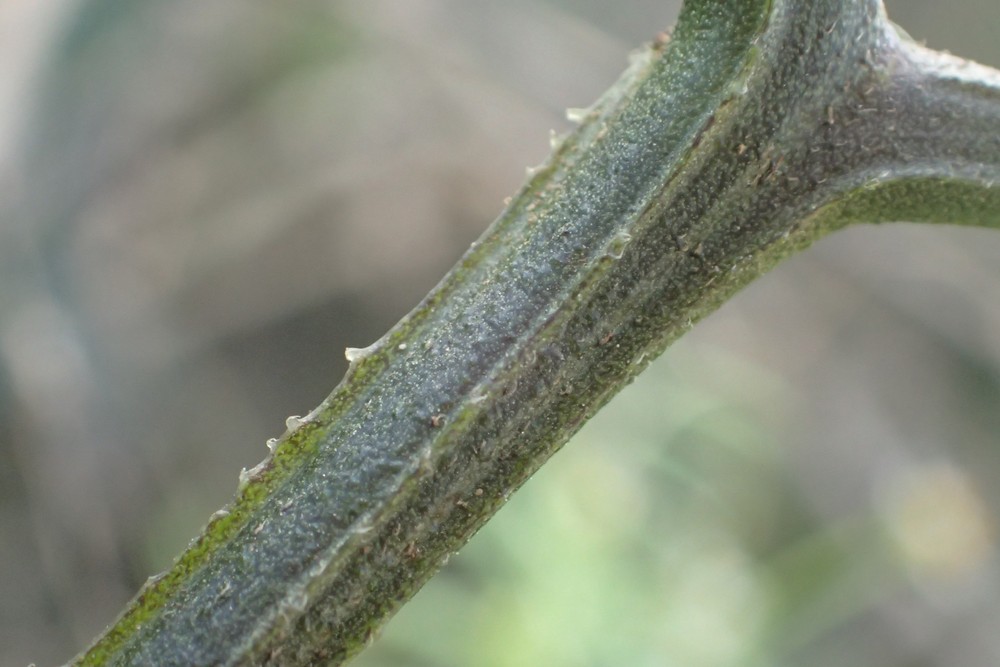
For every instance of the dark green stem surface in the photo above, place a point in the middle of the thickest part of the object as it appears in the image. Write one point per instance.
(760, 126)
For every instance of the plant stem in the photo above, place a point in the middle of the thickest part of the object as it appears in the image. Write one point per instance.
(761, 126)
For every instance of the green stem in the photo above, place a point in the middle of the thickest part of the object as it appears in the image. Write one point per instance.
(761, 126)
(932, 135)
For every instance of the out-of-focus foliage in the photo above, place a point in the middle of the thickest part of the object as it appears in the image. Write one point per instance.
(202, 204)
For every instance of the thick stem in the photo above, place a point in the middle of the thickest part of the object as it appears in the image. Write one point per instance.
(761, 126)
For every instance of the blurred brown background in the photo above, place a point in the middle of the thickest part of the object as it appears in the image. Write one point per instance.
(203, 203)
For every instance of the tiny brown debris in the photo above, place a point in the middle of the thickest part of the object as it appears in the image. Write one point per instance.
(777, 165)
(411, 551)
(681, 242)
(606, 338)
(437, 420)
(479, 492)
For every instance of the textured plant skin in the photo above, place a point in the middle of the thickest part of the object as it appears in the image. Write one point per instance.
(759, 127)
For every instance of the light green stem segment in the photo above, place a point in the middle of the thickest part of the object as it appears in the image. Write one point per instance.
(759, 127)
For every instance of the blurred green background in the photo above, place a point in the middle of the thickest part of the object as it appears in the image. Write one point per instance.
(203, 203)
